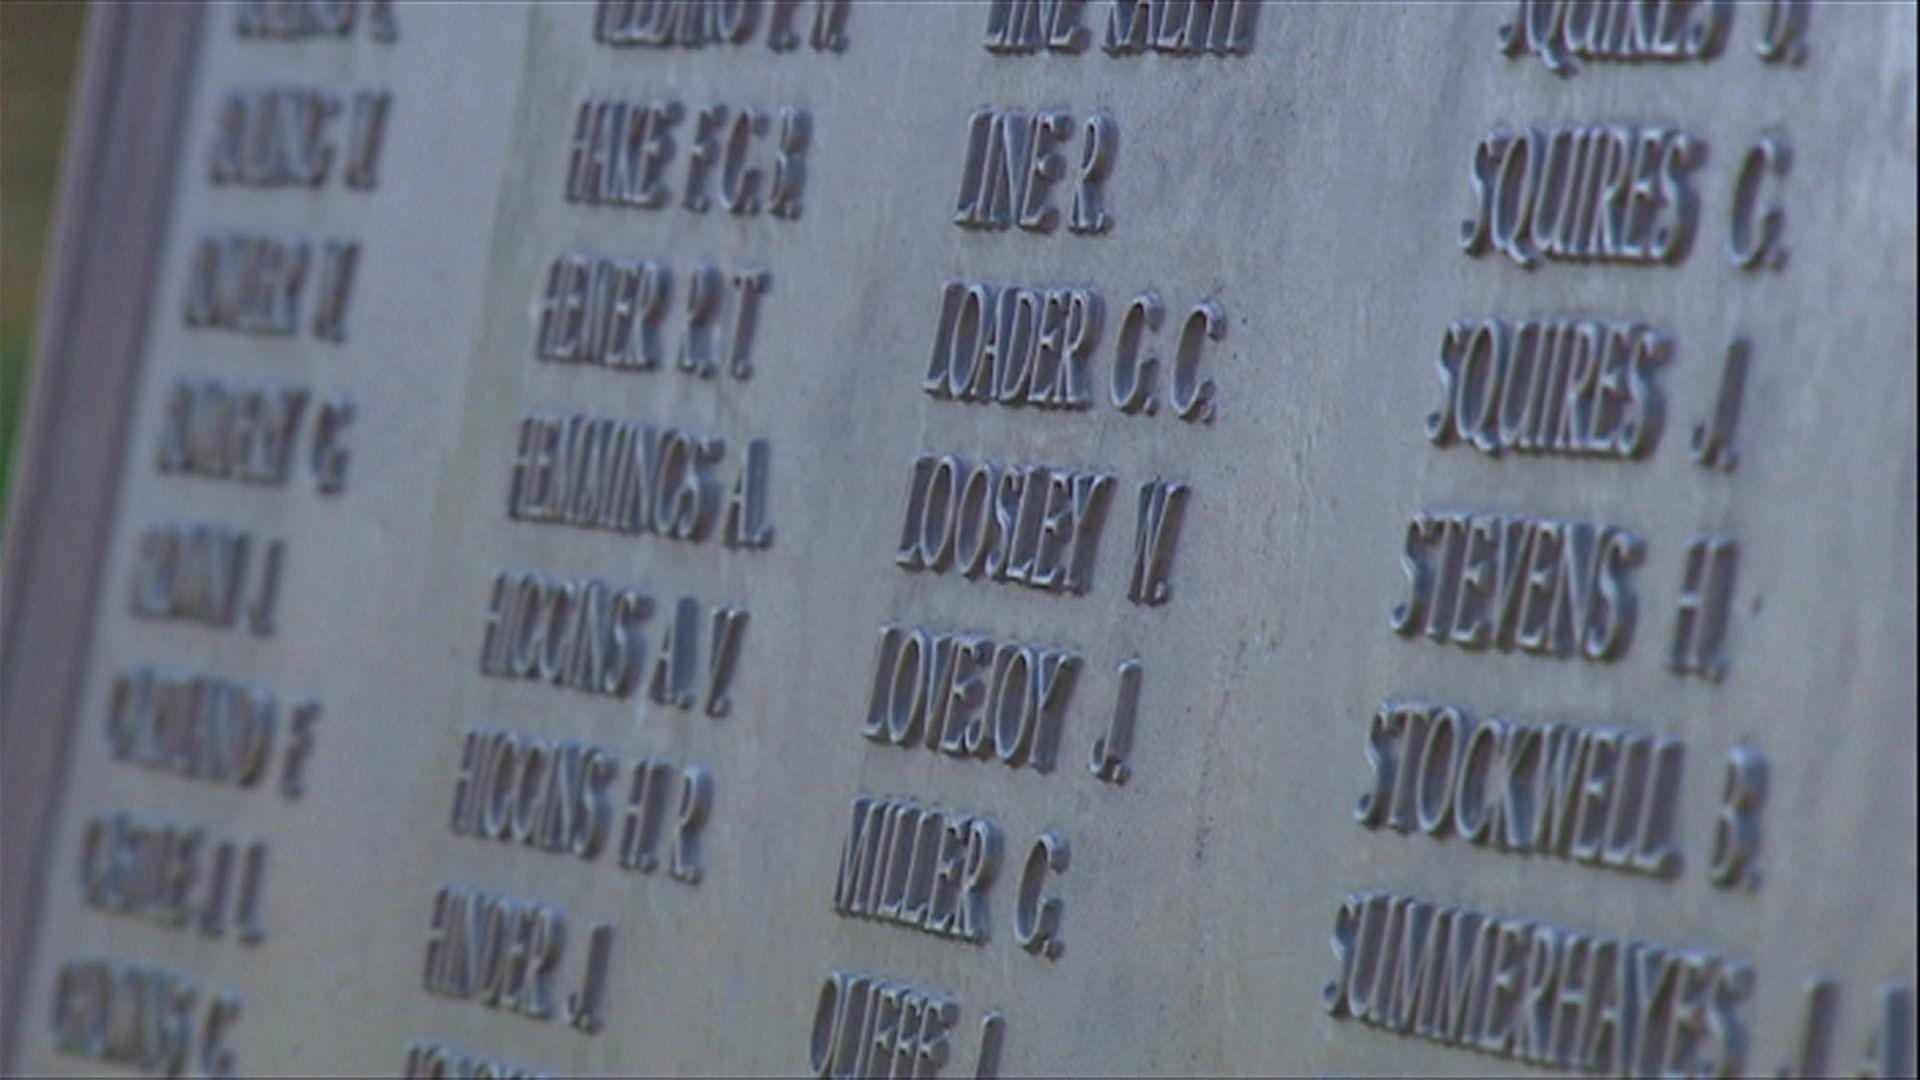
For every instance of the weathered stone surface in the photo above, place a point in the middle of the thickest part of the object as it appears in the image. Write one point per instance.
(1288, 609)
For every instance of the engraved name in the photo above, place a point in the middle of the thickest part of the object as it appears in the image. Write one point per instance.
(1584, 193)
(1032, 525)
(292, 20)
(1519, 583)
(1595, 795)
(1562, 32)
(967, 696)
(253, 283)
(285, 136)
(1179, 27)
(585, 635)
(429, 1060)
(1133, 27)
(557, 795)
(694, 24)
(918, 867)
(234, 429)
(554, 795)
(868, 1026)
(171, 875)
(1015, 159)
(578, 633)
(749, 160)
(203, 571)
(141, 1016)
(1014, 346)
(497, 950)
(1017, 345)
(1562, 387)
(1527, 990)
(630, 477)
(205, 727)
(609, 312)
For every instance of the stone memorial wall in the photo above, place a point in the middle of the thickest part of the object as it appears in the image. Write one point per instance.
(969, 539)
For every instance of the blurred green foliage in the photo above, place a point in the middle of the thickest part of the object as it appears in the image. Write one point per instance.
(39, 43)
